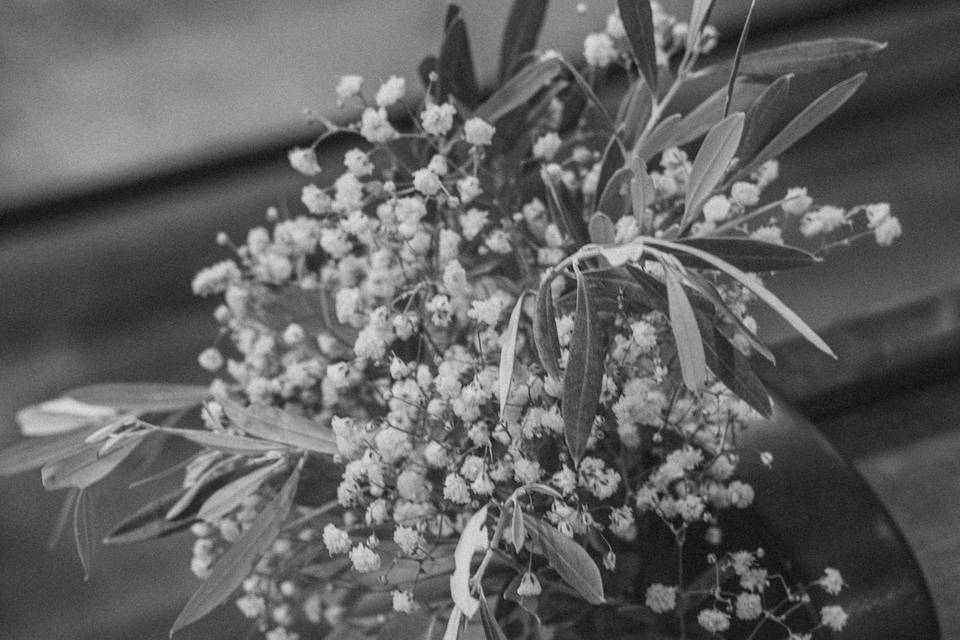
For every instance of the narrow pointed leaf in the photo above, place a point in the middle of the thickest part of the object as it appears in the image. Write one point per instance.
(637, 107)
(611, 163)
(758, 290)
(518, 531)
(519, 89)
(225, 442)
(472, 537)
(754, 256)
(637, 19)
(723, 359)
(569, 221)
(567, 558)
(455, 65)
(708, 113)
(229, 497)
(277, 425)
(812, 56)
(545, 336)
(88, 466)
(584, 376)
(238, 561)
(508, 353)
(808, 119)
(82, 531)
(738, 57)
(150, 521)
(686, 333)
(764, 115)
(711, 164)
(521, 33)
(34, 453)
(601, 228)
(698, 20)
(491, 630)
(615, 199)
(663, 135)
(141, 397)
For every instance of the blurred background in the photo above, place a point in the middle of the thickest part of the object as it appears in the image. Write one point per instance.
(131, 132)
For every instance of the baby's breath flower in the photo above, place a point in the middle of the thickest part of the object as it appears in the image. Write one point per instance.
(455, 489)
(713, 620)
(615, 26)
(304, 161)
(357, 163)
(375, 127)
(822, 221)
(426, 182)
(796, 202)
(478, 132)
(599, 50)
(832, 581)
(403, 601)
(337, 541)
(716, 209)
(834, 617)
(210, 359)
(469, 189)
(349, 86)
(364, 559)
(746, 194)
(768, 233)
(438, 164)
(887, 231)
(661, 598)
(315, 199)
(749, 606)
(472, 222)
(407, 539)
(546, 146)
(391, 91)
(437, 119)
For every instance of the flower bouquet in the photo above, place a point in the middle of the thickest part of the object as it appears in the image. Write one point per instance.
(492, 377)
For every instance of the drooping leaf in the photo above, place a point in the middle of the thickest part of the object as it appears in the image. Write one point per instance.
(708, 113)
(491, 630)
(545, 336)
(518, 531)
(570, 222)
(611, 162)
(473, 536)
(601, 229)
(711, 164)
(637, 19)
(508, 353)
(141, 397)
(34, 453)
(87, 466)
(754, 256)
(150, 521)
(238, 561)
(615, 199)
(812, 56)
(229, 497)
(636, 108)
(699, 14)
(710, 292)
(663, 135)
(738, 57)
(808, 119)
(277, 425)
(723, 359)
(566, 557)
(225, 442)
(642, 194)
(766, 112)
(755, 287)
(62, 415)
(521, 33)
(519, 89)
(686, 333)
(455, 65)
(584, 376)
(82, 535)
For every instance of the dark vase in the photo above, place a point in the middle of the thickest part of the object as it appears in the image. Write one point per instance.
(820, 513)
